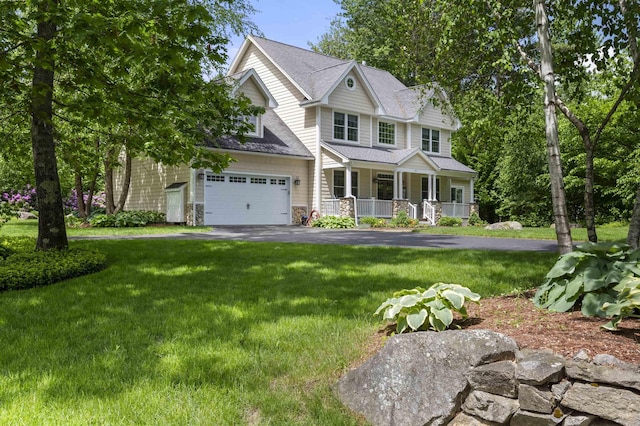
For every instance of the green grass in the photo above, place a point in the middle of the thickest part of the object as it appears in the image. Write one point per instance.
(29, 228)
(209, 332)
(605, 233)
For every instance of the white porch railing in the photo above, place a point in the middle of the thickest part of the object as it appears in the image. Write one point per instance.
(331, 207)
(428, 212)
(375, 208)
(413, 211)
(456, 210)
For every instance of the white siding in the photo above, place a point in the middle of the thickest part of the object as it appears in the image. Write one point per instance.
(251, 90)
(148, 181)
(356, 100)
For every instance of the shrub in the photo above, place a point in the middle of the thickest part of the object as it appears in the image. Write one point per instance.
(626, 305)
(375, 222)
(420, 309)
(26, 269)
(474, 220)
(590, 276)
(449, 221)
(126, 219)
(334, 222)
(402, 220)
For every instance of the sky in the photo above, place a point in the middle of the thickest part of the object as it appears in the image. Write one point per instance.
(294, 22)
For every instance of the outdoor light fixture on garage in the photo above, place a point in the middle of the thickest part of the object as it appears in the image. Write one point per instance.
(297, 181)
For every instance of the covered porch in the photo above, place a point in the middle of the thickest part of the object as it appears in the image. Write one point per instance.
(408, 180)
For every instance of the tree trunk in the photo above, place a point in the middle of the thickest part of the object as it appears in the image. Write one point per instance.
(633, 237)
(82, 210)
(589, 204)
(125, 183)
(563, 232)
(108, 182)
(52, 233)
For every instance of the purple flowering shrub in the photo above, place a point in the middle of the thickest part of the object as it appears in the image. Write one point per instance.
(21, 199)
(70, 204)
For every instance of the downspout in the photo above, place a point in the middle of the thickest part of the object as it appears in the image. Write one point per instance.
(192, 195)
(317, 178)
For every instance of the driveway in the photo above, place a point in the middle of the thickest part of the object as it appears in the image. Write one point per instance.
(299, 234)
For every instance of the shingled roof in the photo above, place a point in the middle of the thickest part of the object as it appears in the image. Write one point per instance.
(316, 74)
(393, 156)
(277, 139)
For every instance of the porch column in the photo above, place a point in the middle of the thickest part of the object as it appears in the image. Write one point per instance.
(429, 187)
(317, 170)
(395, 185)
(347, 180)
(400, 184)
(472, 200)
(433, 188)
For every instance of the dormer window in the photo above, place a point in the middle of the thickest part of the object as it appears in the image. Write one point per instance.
(255, 122)
(386, 133)
(431, 140)
(350, 82)
(345, 127)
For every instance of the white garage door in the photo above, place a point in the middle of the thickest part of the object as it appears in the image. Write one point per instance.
(236, 199)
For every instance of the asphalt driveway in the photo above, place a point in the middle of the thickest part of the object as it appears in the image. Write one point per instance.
(368, 237)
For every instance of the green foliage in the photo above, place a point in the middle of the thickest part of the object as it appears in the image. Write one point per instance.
(449, 221)
(589, 275)
(375, 222)
(334, 222)
(627, 303)
(402, 220)
(126, 219)
(474, 220)
(420, 309)
(21, 267)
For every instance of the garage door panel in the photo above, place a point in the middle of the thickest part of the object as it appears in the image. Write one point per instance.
(236, 199)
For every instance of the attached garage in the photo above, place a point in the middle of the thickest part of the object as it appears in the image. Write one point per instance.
(246, 199)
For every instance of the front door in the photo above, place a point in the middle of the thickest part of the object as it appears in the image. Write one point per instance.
(385, 189)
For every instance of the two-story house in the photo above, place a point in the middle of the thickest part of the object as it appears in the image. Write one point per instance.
(337, 137)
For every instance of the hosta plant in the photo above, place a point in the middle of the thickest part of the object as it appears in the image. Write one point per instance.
(589, 276)
(433, 308)
(627, 304)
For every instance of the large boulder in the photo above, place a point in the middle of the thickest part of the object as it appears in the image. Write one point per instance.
(419, 378)
(517, 226)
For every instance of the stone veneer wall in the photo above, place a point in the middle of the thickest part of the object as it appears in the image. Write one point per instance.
(297, 213)
(199, 214)
(347, 208)
(399, 205)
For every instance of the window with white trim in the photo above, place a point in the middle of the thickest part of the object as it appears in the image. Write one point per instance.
(430, 140)
(350, 82)
(339, 183)
(386, 133)
(345, 127)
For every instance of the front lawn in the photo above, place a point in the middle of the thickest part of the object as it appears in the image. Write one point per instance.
(605, 233)
(29, 228)
(212, 332)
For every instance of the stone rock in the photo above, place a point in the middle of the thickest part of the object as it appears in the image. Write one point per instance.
(536, 399)
(517, 226)
(603, 374)
(619, 405)
(498, 378)
(605, 359)
(26, 215)
(539, 367)
(559, 389)
(581, 355)
(463, 419)
(576, 419)
(493, 408)
(526, 418)
(418, 378)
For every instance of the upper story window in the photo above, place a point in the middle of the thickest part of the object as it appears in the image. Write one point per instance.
(254, 122)
(386, 133)
(430, 140)
(345, 127)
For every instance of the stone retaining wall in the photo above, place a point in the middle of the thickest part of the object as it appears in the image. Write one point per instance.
(478, 377)
(540, 388)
